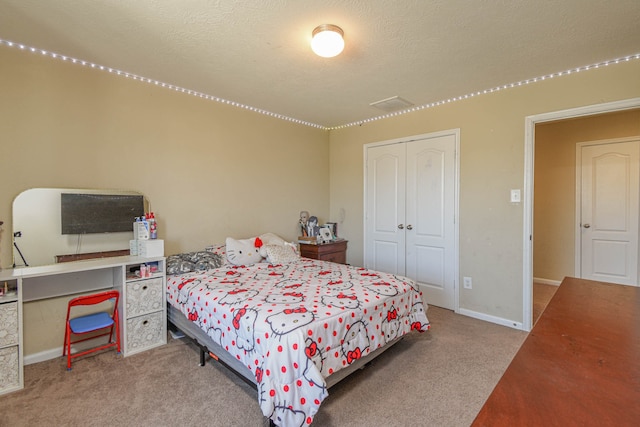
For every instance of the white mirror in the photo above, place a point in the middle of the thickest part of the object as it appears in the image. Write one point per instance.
(38, 237)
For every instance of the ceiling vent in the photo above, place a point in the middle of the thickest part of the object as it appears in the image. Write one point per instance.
(394, 103)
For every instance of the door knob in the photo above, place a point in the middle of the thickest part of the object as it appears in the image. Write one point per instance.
(587, 225)
(409, 227)
(401, 226)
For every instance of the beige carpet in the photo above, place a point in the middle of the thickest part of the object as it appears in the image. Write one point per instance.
(438, 378)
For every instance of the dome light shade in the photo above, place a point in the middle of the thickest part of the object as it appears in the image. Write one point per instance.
(327, 40)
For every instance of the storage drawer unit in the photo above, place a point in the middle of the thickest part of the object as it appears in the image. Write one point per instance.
(145, 331)
(144, 296)
(9, 332)
(10, 335)
(143, 308)
(9, 369)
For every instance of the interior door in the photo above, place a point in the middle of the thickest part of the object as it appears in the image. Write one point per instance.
(609, 212)
(430, 218)
(385, 208)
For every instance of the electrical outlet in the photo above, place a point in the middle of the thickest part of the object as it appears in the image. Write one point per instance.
(467, 282)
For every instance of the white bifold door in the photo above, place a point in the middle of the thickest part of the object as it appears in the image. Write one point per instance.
(410, 206)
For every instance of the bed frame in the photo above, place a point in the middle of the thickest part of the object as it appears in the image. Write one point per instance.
(217, 353)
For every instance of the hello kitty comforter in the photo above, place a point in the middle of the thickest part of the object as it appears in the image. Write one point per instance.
(294, 324)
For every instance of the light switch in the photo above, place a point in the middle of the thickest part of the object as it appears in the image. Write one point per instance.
(515, 196)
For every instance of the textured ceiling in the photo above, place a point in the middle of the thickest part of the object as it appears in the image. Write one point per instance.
(256, 52)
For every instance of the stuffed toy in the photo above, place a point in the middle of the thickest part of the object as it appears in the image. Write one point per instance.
(276, 250)
(269, 239)
(244, 251)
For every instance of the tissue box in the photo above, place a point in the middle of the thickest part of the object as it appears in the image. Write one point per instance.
(150, 248)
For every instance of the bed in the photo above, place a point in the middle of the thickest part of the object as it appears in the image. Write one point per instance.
(294, 328)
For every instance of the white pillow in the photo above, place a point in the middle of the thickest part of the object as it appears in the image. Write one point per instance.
(278, 254)
(243, 252)
(271, 239)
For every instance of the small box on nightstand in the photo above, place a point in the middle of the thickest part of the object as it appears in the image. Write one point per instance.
(151, 248)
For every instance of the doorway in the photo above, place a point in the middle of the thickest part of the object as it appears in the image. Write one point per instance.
(533, 130)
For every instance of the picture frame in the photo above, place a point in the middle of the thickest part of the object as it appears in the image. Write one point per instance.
(334, 228)
(325, 234)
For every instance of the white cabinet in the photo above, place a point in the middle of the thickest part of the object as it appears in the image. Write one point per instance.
(142, 305)
(11, 378)
(143, 308)
(410, 205)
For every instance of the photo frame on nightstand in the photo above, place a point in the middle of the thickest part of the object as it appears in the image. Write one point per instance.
(325, 234)
(334, 228)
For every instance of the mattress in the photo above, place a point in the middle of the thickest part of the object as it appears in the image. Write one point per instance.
(293, 325)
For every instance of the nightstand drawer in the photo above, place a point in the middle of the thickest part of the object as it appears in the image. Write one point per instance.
(333, 252)
(9, 367)
(144, 296)
(145, 331)
(9, 324)
(337, 257)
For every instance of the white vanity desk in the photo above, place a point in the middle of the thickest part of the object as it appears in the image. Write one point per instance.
(142, 306)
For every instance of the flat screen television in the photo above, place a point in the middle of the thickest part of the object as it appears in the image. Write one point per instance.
(99, 213)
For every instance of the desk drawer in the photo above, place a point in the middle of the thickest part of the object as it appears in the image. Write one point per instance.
(9, 324)
(9, 367)
(145, 331)
(144, 296)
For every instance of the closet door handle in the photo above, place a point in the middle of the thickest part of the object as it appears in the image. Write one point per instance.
(409, 227)
(401, 226)
(587, 226)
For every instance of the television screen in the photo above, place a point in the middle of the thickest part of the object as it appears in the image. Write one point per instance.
(99, 213)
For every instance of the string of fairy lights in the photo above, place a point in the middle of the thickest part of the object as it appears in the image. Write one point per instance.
(303, 122)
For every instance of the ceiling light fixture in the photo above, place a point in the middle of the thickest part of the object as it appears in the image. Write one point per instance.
(327, 40)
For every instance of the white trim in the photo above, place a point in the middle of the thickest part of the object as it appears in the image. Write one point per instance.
(54, 353)
(456, 227)
(547, 281)
(527, 229)
(43, 355)
(529, 148)
(456, 202)
(488, 318)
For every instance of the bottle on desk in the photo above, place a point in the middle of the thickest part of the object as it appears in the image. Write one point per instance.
(153, 225)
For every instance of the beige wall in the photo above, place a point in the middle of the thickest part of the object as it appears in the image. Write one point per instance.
(555, 186)
(492, 129)
(209, 170)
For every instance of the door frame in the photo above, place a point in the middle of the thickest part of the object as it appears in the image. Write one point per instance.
(529, 147)
(578, 218)
(456, 200)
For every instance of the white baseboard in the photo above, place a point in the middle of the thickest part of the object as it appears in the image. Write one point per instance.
(491, 319)
(547, 281)
(54, 353)
(42, 356)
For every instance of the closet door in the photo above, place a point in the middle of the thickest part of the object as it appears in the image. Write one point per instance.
(385, 208)
(430, 218)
